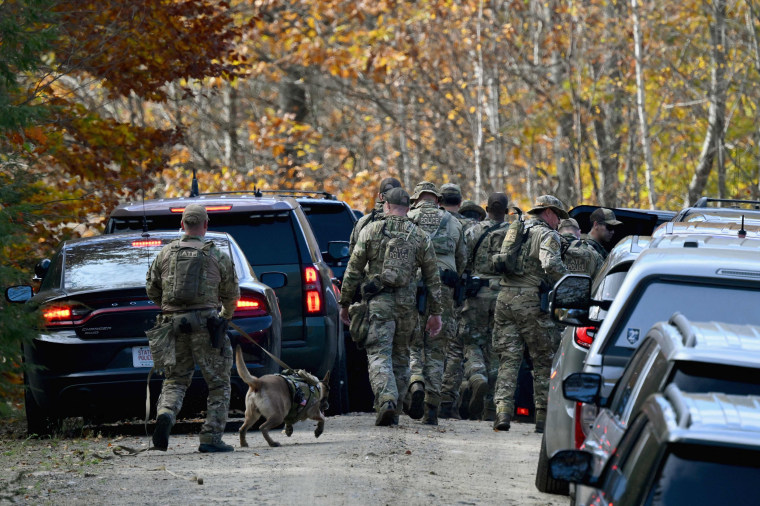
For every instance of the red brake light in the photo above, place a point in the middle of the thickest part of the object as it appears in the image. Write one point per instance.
(580, 437)
(57, 314)
(312, 290)
(584, 336)
(208, 208)
(249, 306)
(177, 209)
(146, 242)
(523, 411)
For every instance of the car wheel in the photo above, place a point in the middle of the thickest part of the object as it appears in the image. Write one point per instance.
(544, 482)
(360, 396)
(38, 420)
(338, 398)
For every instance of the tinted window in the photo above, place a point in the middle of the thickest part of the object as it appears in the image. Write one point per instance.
(697, 301)
(265, 238)
(700, 475)
(52, 278)
(702, 378)
(626, 386)
(329, 223)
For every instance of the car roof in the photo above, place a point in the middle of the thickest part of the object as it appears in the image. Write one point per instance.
(711, 342)
(236, 202)
(728, 229)
(720, 214)
(705, 418)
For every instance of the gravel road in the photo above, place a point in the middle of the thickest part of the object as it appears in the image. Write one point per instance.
(353, 462)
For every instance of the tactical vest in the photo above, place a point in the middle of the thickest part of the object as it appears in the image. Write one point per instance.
(193, 275)
(436, 223)
(578, 257)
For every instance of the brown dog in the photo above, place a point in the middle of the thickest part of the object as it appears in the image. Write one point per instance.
(272, 396)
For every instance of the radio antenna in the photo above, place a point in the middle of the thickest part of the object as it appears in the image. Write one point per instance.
(144, 217)
(194, 192)
(742, 233)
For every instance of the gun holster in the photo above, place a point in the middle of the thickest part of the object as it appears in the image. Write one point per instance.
(422, 293)
(217, 329)
(543, 295)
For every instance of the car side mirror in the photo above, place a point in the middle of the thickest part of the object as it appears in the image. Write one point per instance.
(19, 293)
(274, 280)
(338, 250)
(572, 465)
(582, 387)
(570, 300)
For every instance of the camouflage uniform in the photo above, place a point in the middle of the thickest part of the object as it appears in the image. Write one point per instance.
(428, 354)
(392, 312)
(518, 319)
(596, 246)
(374, 215)
(478, 313)
(221, 286)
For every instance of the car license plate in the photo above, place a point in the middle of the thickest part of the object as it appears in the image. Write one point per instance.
(141, 356)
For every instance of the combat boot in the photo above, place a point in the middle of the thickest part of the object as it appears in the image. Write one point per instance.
(386, 414)
(445, 410)
(502, 422)
(212, 443)
(164, 424)
(417, 403)
(464, 407)
(479, 389)
(489, 415)
(431, 415)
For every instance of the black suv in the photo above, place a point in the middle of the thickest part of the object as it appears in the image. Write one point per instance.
(276, 236)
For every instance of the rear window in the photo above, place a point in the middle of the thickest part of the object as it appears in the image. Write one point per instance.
(109, 265)
(329, 223)
(659, 299)
(265, 238)
(703, 378)
(697, 475)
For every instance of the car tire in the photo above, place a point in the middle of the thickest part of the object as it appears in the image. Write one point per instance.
(360, 396)
(38, 421)
(338, 398)
(544, 482)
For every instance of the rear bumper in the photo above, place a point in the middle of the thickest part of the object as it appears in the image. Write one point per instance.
(70, 376)
(316, 353)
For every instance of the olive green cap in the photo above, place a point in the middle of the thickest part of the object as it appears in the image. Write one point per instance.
(194, 214)
(397, 197)
(549, 202)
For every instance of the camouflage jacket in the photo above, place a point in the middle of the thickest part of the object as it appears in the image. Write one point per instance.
(221, 282)
(477, 262)
(368, 257)
(445, 232)
(374, 215)
(540, 257)
(579, 256)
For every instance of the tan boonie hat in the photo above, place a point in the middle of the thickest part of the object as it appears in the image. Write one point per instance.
(451, 189)
(470, 206)
(549, 202)
(603, 215)
(194, 214)
(425, 186)
(569, 222)
(397, 197)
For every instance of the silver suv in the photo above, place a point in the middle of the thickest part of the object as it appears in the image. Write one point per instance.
(704, 277)
(684, 448)
(696, 357)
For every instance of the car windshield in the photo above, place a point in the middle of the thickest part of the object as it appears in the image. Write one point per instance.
(107, 265)
(698, 475)
(329, 223)
(697, 301)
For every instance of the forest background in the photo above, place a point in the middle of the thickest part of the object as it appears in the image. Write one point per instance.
(621, 103)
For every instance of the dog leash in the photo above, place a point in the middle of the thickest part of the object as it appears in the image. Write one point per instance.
(245, 334)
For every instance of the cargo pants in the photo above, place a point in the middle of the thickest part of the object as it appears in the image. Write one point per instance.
(478, 323)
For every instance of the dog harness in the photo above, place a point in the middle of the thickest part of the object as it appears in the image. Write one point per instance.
(302, 395)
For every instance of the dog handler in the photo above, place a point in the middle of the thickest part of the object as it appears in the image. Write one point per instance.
(190, 278)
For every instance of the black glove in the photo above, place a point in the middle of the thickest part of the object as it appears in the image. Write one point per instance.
(217, 329)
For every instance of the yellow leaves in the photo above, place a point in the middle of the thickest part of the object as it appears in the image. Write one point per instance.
(278, 150)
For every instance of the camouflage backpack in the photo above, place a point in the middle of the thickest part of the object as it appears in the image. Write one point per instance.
(578, 257)
(188, 265)
(399, 266)
(507, 260)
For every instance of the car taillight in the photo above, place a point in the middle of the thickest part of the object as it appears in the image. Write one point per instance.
(312, 291)
(585, 414)
(584, 336)
(523, 412)
(249, 306)
(64, 314)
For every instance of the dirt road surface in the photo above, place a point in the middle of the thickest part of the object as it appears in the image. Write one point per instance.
(353, 462)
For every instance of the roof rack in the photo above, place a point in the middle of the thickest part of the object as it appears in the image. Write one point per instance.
(703, 201)
(326, 195)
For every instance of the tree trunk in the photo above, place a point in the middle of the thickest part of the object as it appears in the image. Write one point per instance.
(713, 144)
